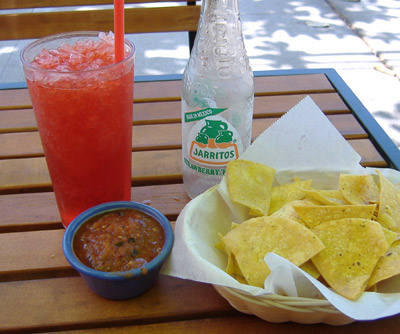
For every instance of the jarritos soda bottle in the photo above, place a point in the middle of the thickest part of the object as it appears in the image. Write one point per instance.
(217, 97)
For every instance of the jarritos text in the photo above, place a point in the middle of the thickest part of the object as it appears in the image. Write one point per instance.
(213, 141)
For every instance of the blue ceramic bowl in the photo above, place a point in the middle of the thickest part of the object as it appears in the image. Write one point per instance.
(124, 284)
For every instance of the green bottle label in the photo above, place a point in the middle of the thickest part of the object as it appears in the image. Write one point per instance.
(213, 142)
(197, 115)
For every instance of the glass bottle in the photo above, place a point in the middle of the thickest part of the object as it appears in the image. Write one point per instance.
(217, 97)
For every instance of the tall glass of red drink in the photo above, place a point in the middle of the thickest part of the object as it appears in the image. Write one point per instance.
(83, 104)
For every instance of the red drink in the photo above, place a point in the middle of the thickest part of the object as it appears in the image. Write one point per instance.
(84, 118)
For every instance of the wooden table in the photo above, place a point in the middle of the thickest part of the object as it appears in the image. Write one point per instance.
(40, 292)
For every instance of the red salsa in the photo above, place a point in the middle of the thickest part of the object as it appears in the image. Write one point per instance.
(119, 240)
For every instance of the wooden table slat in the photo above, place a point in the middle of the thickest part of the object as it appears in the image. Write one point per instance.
(288, 85)
(33, 251)
(37, 211)
(242, 324)
(67, 302)
(166, 137)
(148, 167)
(23, 120)
(170, 90)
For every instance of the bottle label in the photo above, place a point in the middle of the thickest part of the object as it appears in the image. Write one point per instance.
(193, 116)
(213, 141)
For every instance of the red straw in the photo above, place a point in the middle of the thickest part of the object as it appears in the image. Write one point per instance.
(119, 30)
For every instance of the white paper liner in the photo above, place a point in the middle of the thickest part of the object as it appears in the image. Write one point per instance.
(301, 143)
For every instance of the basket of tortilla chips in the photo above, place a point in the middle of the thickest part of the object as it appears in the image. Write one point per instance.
(302, 244)
(346, 238)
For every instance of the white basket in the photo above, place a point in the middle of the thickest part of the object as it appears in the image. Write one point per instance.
(275, 308)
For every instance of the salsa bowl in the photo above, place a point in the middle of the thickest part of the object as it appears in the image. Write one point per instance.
(121, 284)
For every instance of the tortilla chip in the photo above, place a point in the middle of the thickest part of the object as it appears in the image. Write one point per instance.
(232, 267)
(220, 245)
(353, 248)
(288, 211)
(249, 184)
(253, 239)
(311, 269)
(390, 235)
(389, 204)
(359, 189)
(387, 266)
(323, 196)
(314, 215)
(287, 193)
(234, 225)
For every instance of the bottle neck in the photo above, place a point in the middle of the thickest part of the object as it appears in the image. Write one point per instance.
(220, 13)
(219, 47)
(220, 5)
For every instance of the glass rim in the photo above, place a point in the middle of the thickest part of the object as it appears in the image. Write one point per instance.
(83, 34)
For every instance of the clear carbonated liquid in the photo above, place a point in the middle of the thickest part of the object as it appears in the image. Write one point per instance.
(239, 115)
(217, 98)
